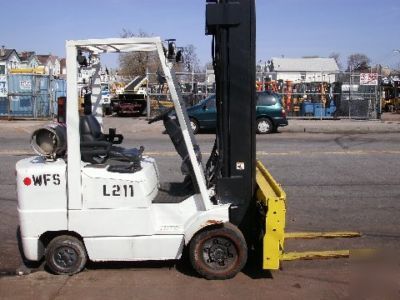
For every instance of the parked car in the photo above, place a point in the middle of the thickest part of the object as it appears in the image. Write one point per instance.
(270, 113)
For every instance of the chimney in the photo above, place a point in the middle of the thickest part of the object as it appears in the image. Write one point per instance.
(3, 51)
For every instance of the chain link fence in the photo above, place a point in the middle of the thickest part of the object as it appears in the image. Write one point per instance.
(341, 95)
(194, 87)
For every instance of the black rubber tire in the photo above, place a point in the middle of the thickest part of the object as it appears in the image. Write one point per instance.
(267, 128)
(198, 246)
(195, 125)
(66, 245)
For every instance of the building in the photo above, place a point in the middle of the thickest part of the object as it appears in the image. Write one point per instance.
(51, 64)
(314, 69)
(9, 59)
(28, 59)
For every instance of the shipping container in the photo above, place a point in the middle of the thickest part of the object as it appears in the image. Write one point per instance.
(31, 96)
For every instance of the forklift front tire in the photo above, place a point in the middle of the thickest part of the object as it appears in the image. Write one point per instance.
(66, 255)
(219, 252)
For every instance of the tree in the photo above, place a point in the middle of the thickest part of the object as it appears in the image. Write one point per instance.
(336, 57)
(190, 59)
(135, 63)
(358, 62)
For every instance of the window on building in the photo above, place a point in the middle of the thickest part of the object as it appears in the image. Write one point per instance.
(2, 69)
(303, 76)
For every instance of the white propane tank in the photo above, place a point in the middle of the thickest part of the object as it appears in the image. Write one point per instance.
(50, 141)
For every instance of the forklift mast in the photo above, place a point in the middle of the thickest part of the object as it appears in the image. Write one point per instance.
(233, 161)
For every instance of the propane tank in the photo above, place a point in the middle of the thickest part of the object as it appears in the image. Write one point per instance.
(50, 141)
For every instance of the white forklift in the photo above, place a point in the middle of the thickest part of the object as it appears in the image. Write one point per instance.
(84, 197)
(99, 201)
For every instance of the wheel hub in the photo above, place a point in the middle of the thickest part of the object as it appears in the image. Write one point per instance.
(219, 253)
(65, 257)
(263, 126)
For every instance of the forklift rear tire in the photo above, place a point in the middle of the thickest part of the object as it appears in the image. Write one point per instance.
(219, 252)
(66, 255)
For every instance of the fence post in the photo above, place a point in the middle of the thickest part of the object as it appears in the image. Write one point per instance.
(34, 99)
(148, 110)
(9, 107)
(51, 96)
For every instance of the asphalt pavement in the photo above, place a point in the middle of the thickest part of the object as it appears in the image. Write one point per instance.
(338, 176)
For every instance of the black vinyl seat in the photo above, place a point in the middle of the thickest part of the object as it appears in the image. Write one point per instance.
(98, 148)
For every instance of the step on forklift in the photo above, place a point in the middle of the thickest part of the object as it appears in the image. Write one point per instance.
(86, 196)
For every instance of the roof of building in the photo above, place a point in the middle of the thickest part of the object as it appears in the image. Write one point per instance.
(43, 59)
(7, 53)
(26, 55)
(318, 64)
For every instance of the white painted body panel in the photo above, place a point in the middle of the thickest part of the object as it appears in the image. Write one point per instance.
(46, 186)
(42, 201)
(33, 248)
(157, 232)
(138, 248)
(103, 189)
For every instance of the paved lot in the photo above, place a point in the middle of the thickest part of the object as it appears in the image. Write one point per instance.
(338, 176)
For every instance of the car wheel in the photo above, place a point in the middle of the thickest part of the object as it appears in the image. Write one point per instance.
(194, 125)
(66, 255)
(264, 126)
(218, 253)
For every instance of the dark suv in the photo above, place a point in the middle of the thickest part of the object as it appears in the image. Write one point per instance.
(269, 113)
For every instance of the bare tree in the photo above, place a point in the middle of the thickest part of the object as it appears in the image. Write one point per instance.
(358, 62)
(135, 63)
(191, 63)
(190, 59)
(336, 57)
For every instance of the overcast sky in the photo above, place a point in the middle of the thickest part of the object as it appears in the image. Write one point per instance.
(292, 28)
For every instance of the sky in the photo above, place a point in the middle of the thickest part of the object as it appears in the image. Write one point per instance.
(289, 28)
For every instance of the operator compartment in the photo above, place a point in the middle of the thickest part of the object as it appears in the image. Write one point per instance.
(41, 184)
(113, 176)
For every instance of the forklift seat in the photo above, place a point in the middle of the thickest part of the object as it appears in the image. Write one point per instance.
(90, 129)
(97, 147)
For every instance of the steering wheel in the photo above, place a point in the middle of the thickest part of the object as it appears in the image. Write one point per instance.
(161, 115)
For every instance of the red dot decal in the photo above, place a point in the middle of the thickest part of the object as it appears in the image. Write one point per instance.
(27, 181)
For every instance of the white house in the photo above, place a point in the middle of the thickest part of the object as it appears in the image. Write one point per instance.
(29, 59)
(315, 69)
(51, 64)
(9, 59)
